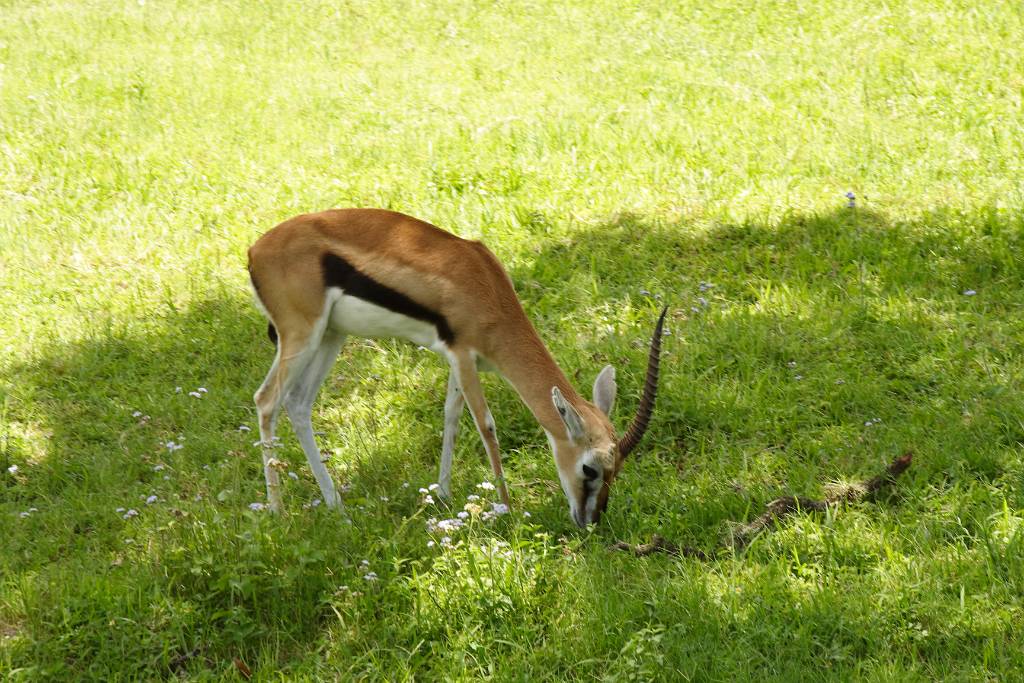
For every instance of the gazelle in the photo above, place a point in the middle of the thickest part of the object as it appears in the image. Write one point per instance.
(374, 273)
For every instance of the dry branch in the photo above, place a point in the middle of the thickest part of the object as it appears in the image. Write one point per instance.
(659, 545)
(743, 534)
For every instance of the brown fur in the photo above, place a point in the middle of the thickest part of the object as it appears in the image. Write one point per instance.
(459, 279)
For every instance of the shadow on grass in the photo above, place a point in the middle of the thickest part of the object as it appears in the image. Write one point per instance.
(812, 349)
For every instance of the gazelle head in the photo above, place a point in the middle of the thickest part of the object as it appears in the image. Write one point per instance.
(590, 456)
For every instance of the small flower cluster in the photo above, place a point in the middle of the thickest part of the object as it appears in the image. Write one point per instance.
(198, 393)
(445, 526)
(127, 514)
(873, 421)
(27, 513)
(427, 498)
(702, 302)
(497, 509)
(368, 575)
(173, 446)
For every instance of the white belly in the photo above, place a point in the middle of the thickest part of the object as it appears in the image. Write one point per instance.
(353, 316)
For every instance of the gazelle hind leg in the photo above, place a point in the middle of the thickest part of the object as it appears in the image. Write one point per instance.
(465, 365)
(268, 399)
(454, 403)
(299, 404)
(294, 351)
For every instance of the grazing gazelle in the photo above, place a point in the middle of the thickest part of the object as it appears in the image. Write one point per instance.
(374, 273)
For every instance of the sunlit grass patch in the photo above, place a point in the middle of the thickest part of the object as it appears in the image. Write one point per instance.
(617, 159)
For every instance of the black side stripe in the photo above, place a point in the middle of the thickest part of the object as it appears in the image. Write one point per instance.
(338, 272)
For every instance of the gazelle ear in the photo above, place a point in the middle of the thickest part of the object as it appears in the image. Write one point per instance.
(604, 390)
(570, 418)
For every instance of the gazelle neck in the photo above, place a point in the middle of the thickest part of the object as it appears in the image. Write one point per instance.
(532, 371)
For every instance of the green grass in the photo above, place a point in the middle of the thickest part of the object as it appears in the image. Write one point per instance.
(603, 151)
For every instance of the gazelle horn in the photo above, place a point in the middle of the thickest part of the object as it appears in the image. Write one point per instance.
(643, 412)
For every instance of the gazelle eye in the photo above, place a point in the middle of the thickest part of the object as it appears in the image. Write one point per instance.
(589, 472)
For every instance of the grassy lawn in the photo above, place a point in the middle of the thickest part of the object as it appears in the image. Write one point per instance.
(616, 156)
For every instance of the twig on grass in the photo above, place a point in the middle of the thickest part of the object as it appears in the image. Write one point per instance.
(777, 509)
(659, 545)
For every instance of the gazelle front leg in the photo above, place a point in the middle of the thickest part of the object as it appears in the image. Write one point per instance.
(454, 402)
(464, 364)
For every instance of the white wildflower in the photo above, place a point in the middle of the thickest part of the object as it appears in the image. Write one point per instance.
(257, 507)
(969, 292)
(433, 487)
(370, 576)
(159, 468)
(428, 499)
(137, 413)
(472, 497)
(449, 525)
(13, 469)
(130, 513)
(195, 394)
(201, 390)
(151, 499)
(463, 515)
(485, 485)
